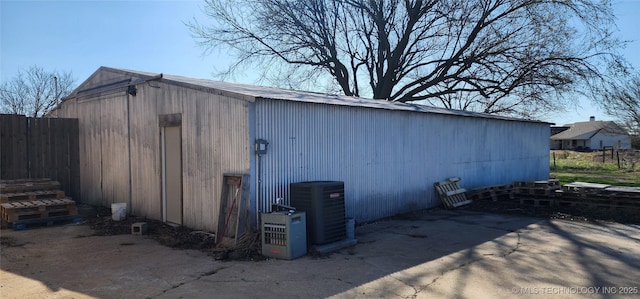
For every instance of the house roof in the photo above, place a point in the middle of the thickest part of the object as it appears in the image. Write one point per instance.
(586, 130)
(253, 92)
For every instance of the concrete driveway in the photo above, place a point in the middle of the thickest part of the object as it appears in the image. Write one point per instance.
(435, 254)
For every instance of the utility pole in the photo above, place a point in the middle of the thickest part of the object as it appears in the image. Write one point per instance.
(55, 80)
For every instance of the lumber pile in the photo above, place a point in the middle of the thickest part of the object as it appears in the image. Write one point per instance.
(27, 201)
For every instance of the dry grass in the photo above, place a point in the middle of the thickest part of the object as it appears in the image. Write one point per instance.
(573, 166)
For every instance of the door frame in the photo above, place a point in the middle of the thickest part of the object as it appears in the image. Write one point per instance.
(169, 120)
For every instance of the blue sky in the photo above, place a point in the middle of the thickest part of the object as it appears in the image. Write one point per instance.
(81, 36)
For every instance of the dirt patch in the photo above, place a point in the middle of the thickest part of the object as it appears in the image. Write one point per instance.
(572, 213)
(248, 248)
(10, 242)
(179, 237)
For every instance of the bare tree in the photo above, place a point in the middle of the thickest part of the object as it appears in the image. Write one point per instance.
(495, 56)
(34, 92)
(622, 100)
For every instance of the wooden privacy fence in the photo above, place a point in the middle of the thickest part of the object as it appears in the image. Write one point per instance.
(40, 148)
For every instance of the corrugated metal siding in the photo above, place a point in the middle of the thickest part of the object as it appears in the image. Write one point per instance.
(67, 109)
(214, 141)
(103, 155)
(389, 160)
(115, 154)
(145, 155)
(103, 150)
(90, 152)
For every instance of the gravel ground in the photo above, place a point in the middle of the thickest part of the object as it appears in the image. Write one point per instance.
(179, 237)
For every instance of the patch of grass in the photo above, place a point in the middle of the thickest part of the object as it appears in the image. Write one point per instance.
(588, 167)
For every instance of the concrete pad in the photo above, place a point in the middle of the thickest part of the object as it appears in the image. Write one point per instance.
(436, 254)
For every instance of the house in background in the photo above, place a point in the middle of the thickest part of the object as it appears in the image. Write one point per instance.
(558, 129)
(591, 134)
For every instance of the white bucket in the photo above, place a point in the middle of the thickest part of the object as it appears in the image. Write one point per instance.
(118, 211)
(351, 228)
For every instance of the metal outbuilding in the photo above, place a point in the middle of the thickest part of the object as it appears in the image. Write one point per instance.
(142, 132)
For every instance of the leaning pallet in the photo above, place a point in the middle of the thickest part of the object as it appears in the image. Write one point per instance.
(451, 194)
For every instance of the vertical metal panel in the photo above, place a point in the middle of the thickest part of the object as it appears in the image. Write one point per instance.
(389, 160)
(214, 141)
(90, 152)
(115, 151)
(104, 158)
(145, 154)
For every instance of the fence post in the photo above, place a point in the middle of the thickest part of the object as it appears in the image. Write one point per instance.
(618, 155)
(612, 153)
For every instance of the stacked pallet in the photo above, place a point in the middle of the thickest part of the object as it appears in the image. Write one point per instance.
(599, 196)
(494, 193)
(26, 201)
(537, 193)
(537, 188)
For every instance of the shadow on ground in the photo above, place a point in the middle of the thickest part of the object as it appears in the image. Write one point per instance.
(433, 253)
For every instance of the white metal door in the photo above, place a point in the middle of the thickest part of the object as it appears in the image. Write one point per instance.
(171, 174)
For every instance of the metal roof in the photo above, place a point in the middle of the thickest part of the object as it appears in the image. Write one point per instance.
(586, 130)
(242, 91)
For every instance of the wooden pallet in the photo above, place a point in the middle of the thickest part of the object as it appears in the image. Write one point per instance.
(20, 225)
(537, 188)
(492, 192)
(451, 194)
(22, 181)
(599, 196)
(538, 202)
(581, 187)
(37, 209)
(631, 193)
(541, 184)
(31, 195)
(29, 186)
(598, 204)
